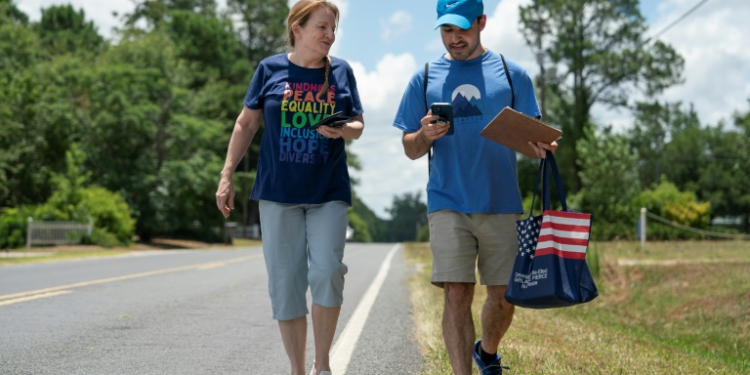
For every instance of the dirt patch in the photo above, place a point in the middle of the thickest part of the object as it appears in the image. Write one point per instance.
(619, 282)
(167, 243)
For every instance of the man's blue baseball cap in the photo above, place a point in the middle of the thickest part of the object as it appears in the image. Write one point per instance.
(461, 13)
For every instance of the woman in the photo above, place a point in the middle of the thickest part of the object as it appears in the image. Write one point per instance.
(302, 180)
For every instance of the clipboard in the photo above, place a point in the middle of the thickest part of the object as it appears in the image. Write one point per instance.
(515, 130)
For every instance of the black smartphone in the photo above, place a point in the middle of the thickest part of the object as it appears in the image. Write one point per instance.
(445, 111)
(335, 120)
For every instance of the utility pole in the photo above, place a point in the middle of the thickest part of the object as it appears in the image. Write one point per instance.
(545, 75)
(540, 59)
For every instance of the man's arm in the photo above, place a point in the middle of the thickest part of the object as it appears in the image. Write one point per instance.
(418, 143)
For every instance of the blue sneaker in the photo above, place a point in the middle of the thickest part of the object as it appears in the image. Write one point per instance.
(492, 368)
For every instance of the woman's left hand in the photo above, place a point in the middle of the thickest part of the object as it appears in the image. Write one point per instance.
(330, 132)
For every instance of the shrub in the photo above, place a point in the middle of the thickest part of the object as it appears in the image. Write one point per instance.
(13, 224)
(110, 214)
(667, 201)
(102, 238)
(424, 233)
(361, 234)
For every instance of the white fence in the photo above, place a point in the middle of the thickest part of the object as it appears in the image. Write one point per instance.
(56, 232)
(233, 230)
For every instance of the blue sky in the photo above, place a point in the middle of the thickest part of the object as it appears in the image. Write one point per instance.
(398, 27)
(386, 41)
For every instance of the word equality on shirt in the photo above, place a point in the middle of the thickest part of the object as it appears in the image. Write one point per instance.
(306, 107)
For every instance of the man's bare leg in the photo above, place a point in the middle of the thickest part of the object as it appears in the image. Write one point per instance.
(497, 314)
(458, 326)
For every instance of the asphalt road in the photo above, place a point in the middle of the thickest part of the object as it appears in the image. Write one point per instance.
(192, 312)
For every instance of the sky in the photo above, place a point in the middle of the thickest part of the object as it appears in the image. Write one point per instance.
(386, 41)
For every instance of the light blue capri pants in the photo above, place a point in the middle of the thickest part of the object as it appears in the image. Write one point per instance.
(303, 245)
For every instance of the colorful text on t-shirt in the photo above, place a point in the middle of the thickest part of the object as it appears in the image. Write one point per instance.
(302, 106)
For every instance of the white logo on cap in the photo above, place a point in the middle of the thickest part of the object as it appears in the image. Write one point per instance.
(450, 5)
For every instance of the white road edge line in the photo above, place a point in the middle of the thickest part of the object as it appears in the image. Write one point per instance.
(344, 347)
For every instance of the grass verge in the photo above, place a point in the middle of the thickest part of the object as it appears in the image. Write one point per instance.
(54, 256)
(689, 317)
(55, 253)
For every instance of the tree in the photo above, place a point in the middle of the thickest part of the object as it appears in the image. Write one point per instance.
(376, 227)
(19, 46)
(655, 126)
(361, 233)
(725, 175)
(208, 43)
(408, 214)
(154, 12)
(10, 13)
(63, 30)
(145, 142)
(742, 168)
(710, 162)
(37, 126)
(263, 30)
(608, 170)
(601, 47)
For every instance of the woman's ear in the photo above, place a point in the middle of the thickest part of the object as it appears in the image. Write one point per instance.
(296, 30)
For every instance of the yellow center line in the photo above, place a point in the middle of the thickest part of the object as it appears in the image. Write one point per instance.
(44, 295)
(121, 278)
(212, 266)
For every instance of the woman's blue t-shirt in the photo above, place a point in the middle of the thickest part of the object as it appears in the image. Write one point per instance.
(298, 165)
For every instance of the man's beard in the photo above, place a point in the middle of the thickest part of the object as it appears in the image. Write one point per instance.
(469, 51)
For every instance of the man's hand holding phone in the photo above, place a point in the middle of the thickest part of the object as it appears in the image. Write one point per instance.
(438, 121)
(431, 129)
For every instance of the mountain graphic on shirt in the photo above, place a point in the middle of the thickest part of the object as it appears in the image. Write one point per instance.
(463, 107)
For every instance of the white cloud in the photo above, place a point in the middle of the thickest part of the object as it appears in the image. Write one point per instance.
(343, 6)
(387, 171)
(713, 41)
(501, 34)
(397, 24)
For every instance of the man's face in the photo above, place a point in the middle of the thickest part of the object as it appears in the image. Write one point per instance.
(463, 44)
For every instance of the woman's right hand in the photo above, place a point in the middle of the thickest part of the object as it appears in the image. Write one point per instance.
(225, 195)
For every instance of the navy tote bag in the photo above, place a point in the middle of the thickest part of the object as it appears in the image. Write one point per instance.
(550, 268)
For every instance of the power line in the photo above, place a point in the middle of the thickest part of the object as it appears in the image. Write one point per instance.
(664, 30)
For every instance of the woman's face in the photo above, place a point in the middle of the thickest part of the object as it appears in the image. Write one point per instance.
(318, 34)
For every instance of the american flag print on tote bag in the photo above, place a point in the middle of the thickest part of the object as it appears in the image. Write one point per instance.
(565, 234)
(550, 269)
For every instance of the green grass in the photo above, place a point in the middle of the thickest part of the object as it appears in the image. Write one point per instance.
(685, 318)
(241, 242)
(51, 254)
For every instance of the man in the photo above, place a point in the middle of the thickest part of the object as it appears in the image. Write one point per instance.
(473, 196)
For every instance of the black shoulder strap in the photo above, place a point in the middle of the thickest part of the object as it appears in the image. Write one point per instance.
(426, 72)
(510, 83)
(427, 107)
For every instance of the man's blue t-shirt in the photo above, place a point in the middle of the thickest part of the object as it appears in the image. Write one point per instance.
(468, 172)
(298, 165)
